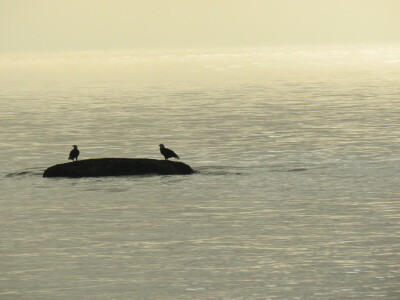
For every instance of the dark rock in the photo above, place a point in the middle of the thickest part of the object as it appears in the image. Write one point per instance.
(117, 167)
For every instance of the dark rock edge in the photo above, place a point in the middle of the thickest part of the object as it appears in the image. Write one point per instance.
(117, 167)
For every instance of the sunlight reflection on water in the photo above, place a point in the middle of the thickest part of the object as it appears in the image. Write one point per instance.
(295, 195)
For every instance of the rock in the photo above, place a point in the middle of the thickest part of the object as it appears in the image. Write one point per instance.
(117, 167)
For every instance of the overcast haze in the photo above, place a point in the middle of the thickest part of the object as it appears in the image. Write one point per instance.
(61, 25)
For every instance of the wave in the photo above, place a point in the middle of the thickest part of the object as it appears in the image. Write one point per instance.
(29, 172)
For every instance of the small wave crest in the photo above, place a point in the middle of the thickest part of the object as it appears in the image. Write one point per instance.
(30, 172)
(218, 170)
(291, 170)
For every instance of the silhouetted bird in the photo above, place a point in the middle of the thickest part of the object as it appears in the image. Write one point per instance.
(167, 152)
(74, 153)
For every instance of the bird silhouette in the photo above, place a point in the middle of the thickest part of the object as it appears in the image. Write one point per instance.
(167, 152)
(74, 153)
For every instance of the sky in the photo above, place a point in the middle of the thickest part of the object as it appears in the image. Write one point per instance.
(69, 25)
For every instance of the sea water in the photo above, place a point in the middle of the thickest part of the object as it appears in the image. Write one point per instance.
(296, 193)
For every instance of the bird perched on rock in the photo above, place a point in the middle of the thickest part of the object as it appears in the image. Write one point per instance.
(167, 152)
(74, 153)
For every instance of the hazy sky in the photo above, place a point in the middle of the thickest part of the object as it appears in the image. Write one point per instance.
(64, 25)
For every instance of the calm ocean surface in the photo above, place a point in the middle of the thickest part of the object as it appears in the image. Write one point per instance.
(297, 193)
